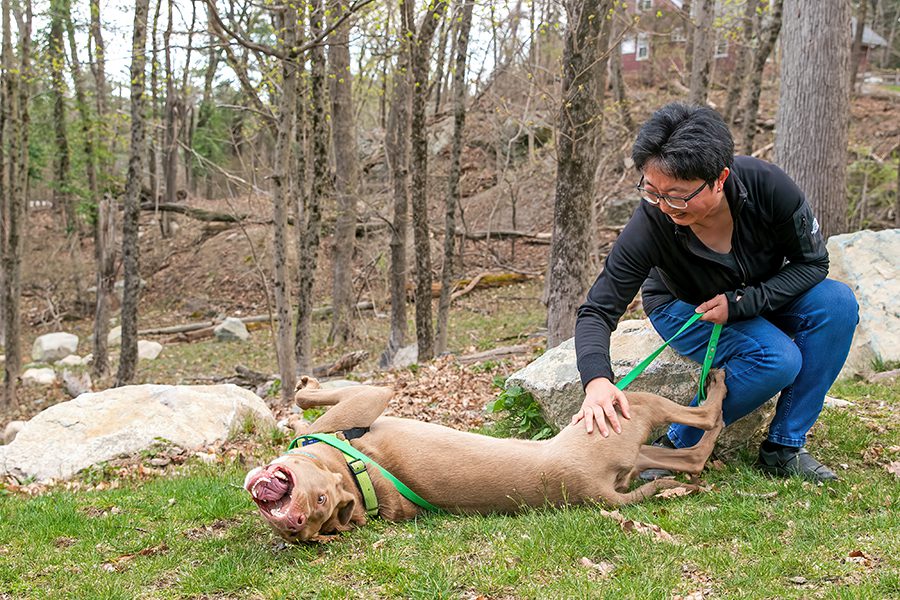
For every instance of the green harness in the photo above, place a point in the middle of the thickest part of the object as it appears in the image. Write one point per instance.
(357, 461)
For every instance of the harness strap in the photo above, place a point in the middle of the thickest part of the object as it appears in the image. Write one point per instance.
(707, 361)
(350, 451)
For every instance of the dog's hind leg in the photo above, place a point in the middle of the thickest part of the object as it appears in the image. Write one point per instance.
(643, 492)
(351, 406)
(686, 460)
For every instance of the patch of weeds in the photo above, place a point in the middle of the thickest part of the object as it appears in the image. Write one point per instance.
(413, 368)
(522, 416)
(247, 425)
(275, 389)
(159, 446)
(487, 366)
(311, 414)
(879, 365)
(99, 473)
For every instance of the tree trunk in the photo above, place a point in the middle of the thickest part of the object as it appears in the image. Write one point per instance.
(421, 52)
(686, 9)
(768, 34)
(618, 83)
(98, 67)
(702, 54)
(812, 120)
(459, 120)
(105, 240)
(741, 61)
(438, 84)
(346, 161)
(152, 154)
(170, 148)
(16, 120)
(396, 146)
(280, 180)
(313, 213)
(62, 198)
(130, 242)
(580, 114)
(857, 51)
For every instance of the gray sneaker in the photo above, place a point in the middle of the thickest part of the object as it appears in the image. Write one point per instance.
(793, 462)
(662, 441)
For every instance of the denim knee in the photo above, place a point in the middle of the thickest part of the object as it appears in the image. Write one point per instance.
(785, 363)
(842, 308)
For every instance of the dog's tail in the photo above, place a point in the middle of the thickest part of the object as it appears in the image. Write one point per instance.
(646, 491)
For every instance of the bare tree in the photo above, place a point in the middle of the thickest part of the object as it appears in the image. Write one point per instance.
(170, 137)
(421, 52)
(130, 242)
(812, 120)
(741, 61)
(857, 52)
(580, 114)
(396, 146)
(768, 33)
(309, 243)
(62, 197)
(287, 109)
(459, 121)
(343, 132)
(16, 118)
(702, 53)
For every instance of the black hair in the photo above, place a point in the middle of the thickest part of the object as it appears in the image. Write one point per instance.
(685, 142)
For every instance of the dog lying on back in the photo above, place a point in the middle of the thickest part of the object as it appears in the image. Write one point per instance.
(311, 493)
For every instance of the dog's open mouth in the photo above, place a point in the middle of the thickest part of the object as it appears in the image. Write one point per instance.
(271, 490)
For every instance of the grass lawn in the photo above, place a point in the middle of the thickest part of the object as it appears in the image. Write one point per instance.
(195, 534)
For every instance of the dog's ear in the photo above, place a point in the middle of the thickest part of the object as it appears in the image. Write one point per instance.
(345, 511)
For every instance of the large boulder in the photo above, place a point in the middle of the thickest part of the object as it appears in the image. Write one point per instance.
(148, 350)
(96, 427)
(53, 346)
(39, 376)
(554, 382)
(869, 262)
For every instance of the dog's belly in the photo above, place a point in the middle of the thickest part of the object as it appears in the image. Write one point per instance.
(467, 472)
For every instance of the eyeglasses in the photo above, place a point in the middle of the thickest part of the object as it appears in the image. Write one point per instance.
(673, 201)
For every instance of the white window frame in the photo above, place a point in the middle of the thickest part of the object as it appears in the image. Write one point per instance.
(721, 48)
(644, 5)
(629, 45)
(642, 47)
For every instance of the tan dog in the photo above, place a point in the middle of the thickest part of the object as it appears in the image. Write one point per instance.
(310, 493)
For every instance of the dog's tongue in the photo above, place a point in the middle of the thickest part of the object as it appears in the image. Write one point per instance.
(270, 489)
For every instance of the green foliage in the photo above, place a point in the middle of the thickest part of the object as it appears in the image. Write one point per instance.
(874, 180)
(523, 416)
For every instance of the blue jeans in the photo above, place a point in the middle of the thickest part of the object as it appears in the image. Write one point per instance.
(797, 350)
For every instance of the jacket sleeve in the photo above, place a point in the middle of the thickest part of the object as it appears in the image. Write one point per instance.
(806, 258)
(625, 269)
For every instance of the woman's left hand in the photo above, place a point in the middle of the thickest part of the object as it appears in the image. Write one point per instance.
(715, 310)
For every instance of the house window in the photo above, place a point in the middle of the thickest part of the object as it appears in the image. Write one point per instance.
(644, 5)
(628, 45)
(678, 35)
(643, 47)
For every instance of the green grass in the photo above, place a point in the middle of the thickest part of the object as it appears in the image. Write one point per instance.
(196, 534)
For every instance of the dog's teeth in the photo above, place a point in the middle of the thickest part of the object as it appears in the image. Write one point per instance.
(259, 481)
(281, 475)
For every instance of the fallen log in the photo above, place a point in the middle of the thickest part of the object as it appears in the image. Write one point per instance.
(495, 354)
(344, 364)
(506, 234)
(482, 281)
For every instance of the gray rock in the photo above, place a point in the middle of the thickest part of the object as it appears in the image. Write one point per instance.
(53, 346)
(97, 427)
(148, 350)
(39, 376)
(72, 360)
(837, 403)
(114, 337)
(231, 329)
(11, 430)
(869, 262)
(554, 382)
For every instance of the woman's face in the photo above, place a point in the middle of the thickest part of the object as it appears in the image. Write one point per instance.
(698, 208)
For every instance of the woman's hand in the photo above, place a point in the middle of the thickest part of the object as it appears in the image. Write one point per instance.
(715, 310)
(600, 399)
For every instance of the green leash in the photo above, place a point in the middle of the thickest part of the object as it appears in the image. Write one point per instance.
(707, 361)
(347, 449)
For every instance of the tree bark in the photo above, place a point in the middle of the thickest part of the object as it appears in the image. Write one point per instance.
(170, 149)
(105, 240)
(741, 61)
(704, 43)
(857, 51)
(618, 82)
(152, 154)
(580, 114)
(768, 34)
(812, 120)
(280, 179)
(421, 52)
(130, 242)
(346, 162)
(313, 213)
(62, 198)
(16, 121)
(396, 145)
(459, 121)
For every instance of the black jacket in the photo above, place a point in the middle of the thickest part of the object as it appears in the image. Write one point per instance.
(777, 254)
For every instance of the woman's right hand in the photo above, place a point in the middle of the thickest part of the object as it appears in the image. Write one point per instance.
(600, 399)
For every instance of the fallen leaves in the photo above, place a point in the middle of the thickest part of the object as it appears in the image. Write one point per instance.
(893, 468)
(677, 492)
(120, 563)
(603, 567)
(629, 525)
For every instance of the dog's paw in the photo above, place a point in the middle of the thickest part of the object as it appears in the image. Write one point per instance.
(305, 382)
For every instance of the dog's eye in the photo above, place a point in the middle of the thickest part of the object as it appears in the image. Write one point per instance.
(321, 499)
